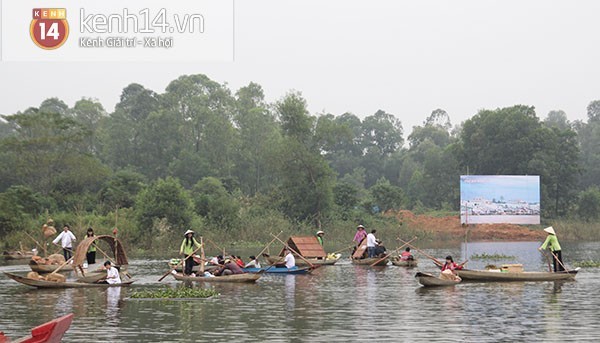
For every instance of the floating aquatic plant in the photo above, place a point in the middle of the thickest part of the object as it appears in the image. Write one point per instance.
(494, 256)
(175, 293)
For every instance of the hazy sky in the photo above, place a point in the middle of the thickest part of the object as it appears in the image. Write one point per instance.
(405, 57)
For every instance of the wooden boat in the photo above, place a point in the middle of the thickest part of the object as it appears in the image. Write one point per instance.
(301, 263)
(369, 261)
(195, 269)
(97, 275)
(497, 275)
(237, 278)
(281, 270)
(429, 280)
(48, 268)
(50, 332)
(18, 255)
(404, 263)
(69, 284)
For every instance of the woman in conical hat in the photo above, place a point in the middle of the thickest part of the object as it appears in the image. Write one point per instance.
(186, 249)
(551, 243)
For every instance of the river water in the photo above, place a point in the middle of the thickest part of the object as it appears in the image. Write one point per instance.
(341, 303)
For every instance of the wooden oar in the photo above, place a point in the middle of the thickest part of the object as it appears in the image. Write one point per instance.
(114, 263)
(36, 242)
(388, 255)
(266, 246)
(216, 246)
(202, 256)
(62, 265)
(559, 261)
(294, 251)
(350, 247)
(178, 264)
(422, 252)
(547, 260)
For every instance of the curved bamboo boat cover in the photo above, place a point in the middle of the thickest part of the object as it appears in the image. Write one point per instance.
(115, 245)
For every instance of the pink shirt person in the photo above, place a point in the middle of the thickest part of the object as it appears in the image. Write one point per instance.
(360, 234)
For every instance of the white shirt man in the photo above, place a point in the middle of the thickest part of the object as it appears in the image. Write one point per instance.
(112, 274)
(66, 239)
(371, 240)
(290, 261)
(371, 243)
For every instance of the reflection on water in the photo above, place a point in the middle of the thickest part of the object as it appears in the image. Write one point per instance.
(336, 304)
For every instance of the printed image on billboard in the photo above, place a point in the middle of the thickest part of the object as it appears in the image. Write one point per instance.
(493, 199)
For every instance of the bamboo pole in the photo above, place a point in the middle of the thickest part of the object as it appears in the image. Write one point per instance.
(62, 265)
(422, 252)
(346, 248)
(36, 242)
(559, 261)
(294, 251)
(266, 246)
(178, 264)
(547, 261)
(216, 246)
(202, 256)
(388, 255)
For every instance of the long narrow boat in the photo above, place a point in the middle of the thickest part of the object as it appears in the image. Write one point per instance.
(429, 280)
(97, 275)
(69, 284)
(280, 270)
(370, 261)
(195, 269)
(301, 263)
(237, 278)
(487, 275)
(48, 268)
(404, 263)
(49, 332)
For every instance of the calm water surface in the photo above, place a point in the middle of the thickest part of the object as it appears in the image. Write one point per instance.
(341, 303)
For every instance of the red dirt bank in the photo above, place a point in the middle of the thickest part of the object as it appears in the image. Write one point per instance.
(450, 226)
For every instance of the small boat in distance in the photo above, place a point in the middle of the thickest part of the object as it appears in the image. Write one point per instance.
(369, 261)
(235, 278)
(18, 255)
(397, 261)
(502, 276)
(309, 248)
(428, 280)
(50, 332)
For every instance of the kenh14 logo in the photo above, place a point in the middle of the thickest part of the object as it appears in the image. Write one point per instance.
(49, 28)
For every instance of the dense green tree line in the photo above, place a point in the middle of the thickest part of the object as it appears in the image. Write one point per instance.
(200, 153)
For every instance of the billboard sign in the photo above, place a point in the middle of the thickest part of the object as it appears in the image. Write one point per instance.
(493, 199)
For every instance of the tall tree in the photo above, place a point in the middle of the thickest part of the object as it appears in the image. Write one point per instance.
(258, 135)
(307, 180)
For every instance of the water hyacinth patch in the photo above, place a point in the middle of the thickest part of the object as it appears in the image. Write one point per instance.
(494, 256)
(175, 293)
(587, 264)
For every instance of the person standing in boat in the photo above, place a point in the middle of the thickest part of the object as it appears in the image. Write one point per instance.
(186, 249)
(319, 236)
(90, 256)
(360, 234)
(551, 243)
(372, 244)
(66, 239)
(112, 274)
